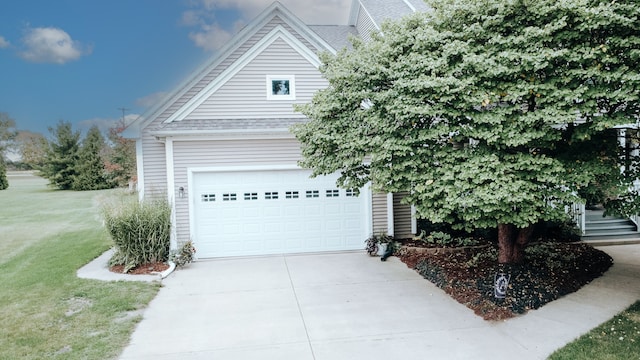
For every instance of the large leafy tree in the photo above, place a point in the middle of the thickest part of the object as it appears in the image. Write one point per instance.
(62, 156)
(121, 158)
(489, 114)
(7, 135)
(32, 148)
(90, 170)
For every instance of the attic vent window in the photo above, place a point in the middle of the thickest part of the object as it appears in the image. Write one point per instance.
(281, 87)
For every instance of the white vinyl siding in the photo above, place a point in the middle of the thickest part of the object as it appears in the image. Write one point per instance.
(365, 25)
(245, 95)
(379, 212)
(401, 217)
(154, 167)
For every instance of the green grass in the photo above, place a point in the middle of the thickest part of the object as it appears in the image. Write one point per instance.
(618, 338)
(47, 311)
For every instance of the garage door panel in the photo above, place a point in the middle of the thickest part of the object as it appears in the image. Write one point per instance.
(271, 212)
(251, 213)
(294, 243)
(313, 209)
(252, 227)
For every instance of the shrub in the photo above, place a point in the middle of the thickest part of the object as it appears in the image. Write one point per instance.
(442, 239)
(371, 244)
(562, 231)
(184, 255)
(140, 231)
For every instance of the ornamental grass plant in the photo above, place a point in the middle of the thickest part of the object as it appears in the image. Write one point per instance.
(140, 231)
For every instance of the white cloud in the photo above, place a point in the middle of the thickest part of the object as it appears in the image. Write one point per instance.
(151, 99)
(211, 36)
(4, 43)
(51, 45)
(191, 18)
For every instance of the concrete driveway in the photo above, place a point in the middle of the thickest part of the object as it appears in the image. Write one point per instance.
(351, 306)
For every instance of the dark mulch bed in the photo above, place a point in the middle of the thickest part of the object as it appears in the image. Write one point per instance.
(144, 269)
(552, 270)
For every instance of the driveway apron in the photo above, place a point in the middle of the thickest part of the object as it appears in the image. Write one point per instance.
(348, 305)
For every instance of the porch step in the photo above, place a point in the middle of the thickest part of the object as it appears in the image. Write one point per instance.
(612, 228)
(609, 230)
(607, 221)
(608, 241)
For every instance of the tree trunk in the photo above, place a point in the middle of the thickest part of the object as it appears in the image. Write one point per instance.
(512, 242)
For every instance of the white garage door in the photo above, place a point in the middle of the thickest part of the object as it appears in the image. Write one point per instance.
(274, 212)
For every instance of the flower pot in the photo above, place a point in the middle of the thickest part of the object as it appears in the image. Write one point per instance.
(382, 248)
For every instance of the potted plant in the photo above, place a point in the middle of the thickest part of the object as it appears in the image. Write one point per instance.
(377, 245)
(184, 255)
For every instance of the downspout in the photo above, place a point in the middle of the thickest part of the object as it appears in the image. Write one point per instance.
(168, 145)
(140, 169)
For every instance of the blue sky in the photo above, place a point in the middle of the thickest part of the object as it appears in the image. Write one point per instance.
(81, 61)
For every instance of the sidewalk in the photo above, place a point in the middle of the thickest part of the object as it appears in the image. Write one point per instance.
(99, 269)
(351, 306)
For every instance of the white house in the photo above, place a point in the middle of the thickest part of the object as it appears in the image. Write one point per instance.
(219, 146)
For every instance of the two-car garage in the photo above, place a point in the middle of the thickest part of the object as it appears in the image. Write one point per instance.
(240, 212)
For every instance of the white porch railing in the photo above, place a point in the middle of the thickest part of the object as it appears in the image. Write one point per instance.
(578, 215)
(636, 218)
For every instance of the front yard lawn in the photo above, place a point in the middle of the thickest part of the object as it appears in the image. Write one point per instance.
(618, 338)
(47, 311)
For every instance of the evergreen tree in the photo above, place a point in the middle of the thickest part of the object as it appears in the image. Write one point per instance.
(7, 135)
(90, 171)
(62, 156)
(4, 182)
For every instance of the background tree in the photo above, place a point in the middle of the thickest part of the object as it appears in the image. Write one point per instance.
(4, 181)
(62, 156)
(89, 170)
(120, 161)
(489, 114)
(7, 135)
(32, 148)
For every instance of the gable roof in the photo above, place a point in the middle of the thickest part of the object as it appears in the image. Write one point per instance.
(316, 38)
(335, 35)
(319, 40)
(278, 33)
(379, 11)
